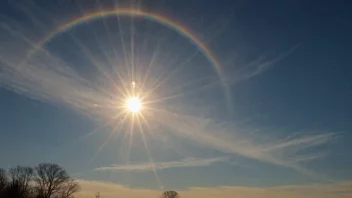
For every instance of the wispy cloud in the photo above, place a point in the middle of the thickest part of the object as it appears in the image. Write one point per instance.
(188, 162)
(258, 66)
(226, 137)
(332, 190)
(47, 78)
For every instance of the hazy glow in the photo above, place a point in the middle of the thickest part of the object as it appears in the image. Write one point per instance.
(134, 104)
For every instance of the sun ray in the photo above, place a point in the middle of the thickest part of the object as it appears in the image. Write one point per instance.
(121, 79)
(132, 48)
(106, 124)
(124, 137)
(151, 63)
(177, 67)
(145, 121)
(131, 133)
(122, 40)
(113, 48)
(149, 155)
(112, 132)
(180, 66)
(155, 138)
(96, 63)
(123, 46)
(148, 125)
(158, 138)
(184, 93)
(89, 55)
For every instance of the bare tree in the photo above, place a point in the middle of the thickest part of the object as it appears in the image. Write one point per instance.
(21, 177)
(170, 194)
(3, 178)
(52, 180)
(69, 188)
(3, 181)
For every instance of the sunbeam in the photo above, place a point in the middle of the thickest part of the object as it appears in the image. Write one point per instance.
(111, 133)
(149, 154)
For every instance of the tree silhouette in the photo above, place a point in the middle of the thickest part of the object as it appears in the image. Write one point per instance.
(14, 190)
(69, 188)
(170, 194)
(44, 181)
(53, 181)
(21, 177)
(3, 182)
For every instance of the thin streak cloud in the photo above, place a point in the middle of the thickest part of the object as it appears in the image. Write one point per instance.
(259, 66)
(227, 138)
(188, 162)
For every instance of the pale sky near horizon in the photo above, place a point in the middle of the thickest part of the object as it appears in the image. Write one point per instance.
(239, 97)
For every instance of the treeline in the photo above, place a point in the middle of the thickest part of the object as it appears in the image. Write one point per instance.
(46, 180)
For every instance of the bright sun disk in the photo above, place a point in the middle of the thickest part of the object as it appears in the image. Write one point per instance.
(134, 104)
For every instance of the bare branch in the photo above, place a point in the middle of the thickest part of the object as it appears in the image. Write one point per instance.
(21, 177)
(54, 180)
(3, 180)
(70, 188)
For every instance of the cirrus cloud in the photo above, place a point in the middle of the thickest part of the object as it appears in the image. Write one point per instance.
(188, 162)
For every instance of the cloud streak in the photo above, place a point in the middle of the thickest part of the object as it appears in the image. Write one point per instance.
(259, 66)
(262, 65)
(47, 78)
(189, 162)
(227, 138)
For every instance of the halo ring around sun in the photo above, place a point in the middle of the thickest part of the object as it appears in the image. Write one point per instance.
(182, 30)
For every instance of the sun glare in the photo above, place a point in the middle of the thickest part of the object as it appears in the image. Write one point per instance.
(134, 104)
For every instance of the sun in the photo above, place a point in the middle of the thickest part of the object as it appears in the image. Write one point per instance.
(133, 104)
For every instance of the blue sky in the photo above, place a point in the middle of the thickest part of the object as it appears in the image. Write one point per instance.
(286, 121)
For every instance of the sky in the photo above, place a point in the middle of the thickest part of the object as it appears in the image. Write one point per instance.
(239, 98)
